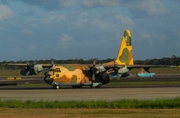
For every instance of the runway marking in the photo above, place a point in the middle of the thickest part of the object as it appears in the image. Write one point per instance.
(14, 78)
(10, 78)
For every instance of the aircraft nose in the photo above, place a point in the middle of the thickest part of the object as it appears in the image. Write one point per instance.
(48, 80)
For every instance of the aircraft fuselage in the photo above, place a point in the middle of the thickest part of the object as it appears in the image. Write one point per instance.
(74, 75)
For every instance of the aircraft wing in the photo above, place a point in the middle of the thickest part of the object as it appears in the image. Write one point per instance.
(30, 69)
(15, 64)
(27, 64)
(123, 70)
(139, 66)
(24, 65)
(151, 66)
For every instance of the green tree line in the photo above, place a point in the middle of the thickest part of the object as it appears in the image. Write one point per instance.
(174, 60)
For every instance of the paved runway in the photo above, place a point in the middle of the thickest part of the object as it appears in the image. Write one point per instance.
(105, 93)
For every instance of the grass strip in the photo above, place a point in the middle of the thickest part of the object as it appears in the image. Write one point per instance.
(124, 103)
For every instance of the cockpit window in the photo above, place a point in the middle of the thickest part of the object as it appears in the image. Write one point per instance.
(57, 70)
(52, 70)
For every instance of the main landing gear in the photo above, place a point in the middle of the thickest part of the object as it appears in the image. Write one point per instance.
(55, 86)
(92, 85)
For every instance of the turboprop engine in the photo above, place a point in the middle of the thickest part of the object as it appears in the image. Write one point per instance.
(119, 72)
(31, 69)
(123, 70)
(100, 69)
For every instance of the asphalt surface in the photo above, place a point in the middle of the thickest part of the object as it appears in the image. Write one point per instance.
(106, 92)
(68, 94)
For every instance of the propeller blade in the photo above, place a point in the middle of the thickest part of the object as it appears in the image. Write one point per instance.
(36, 73)
(114, 63)
(93, 77)
(27, 72)
(52, 62)
(35, 62)
(115, 67)
(94, 62)
(27, 63)
(93, 69)
(30, 68)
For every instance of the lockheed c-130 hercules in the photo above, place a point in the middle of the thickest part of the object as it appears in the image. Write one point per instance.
(93, 75)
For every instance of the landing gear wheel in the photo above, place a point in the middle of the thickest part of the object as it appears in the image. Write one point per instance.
(55, 86)
(95, 85)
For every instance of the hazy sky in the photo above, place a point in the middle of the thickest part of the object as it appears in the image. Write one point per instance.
(85, 29)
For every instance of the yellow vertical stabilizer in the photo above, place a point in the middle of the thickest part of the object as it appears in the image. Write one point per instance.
(125, 54)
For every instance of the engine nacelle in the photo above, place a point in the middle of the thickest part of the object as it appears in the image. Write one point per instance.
(38, 68)
(114, 75)
(100, 69)
(32, 70)
(123, 70)
(27, 72)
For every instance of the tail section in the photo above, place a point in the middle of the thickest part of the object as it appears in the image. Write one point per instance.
(125, 54)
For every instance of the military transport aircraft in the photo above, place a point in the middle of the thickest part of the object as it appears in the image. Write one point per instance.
(93, 75)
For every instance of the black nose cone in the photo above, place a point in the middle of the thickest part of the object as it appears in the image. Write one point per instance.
(48, 80)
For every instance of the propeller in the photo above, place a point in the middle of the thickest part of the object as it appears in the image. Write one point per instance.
(93, 69)
(52, 62)
(119, 71)
(115, 68)
(52, 65)
(30, 68)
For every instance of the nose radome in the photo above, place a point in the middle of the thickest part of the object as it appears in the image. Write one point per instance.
(48, 80)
